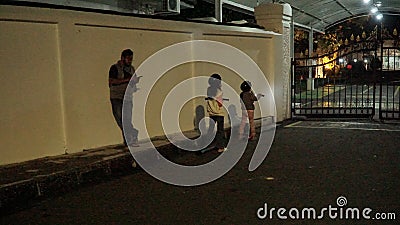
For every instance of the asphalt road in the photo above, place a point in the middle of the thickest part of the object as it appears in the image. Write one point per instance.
(310, 165)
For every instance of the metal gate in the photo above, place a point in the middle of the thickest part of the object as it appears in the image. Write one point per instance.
(355, 81)
(389, 98)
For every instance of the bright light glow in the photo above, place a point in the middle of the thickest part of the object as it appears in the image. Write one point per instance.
(341, 60)
(374, 9)
(355, 60)
(378, 4)
(379, 16)
(366, 1)
(328, 66)
(365, 61)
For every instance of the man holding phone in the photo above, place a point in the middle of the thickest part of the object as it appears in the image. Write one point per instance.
(119, 77)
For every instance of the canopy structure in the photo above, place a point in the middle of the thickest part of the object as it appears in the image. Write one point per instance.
(322, 14)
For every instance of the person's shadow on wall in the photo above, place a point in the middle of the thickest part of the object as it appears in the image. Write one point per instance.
(234, 121)
(199, 115)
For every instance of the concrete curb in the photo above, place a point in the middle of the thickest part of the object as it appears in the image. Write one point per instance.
(14, 194)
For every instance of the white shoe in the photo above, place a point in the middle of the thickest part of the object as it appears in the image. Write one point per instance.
(222, 150)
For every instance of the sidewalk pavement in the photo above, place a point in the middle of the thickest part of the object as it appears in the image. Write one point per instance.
(29, 181)
(26, 182)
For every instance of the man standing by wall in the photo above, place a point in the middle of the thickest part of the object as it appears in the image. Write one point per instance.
(118, 80)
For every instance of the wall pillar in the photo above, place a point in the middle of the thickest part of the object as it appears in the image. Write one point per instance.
(218, 10)
(278, 18)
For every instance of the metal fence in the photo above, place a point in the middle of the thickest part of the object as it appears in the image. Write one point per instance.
(353, 81)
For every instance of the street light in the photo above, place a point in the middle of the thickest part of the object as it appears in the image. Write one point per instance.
(379, 16)
(374, 10)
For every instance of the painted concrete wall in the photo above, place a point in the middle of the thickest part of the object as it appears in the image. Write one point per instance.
(54, 70)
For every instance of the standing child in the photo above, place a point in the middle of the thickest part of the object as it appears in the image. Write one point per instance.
(248, 98)
(215, 109)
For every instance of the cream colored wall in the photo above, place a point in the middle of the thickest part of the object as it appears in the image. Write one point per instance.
(54, 70)
(258, 49)
(157, 97)
(89, 69)
(31, 112)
